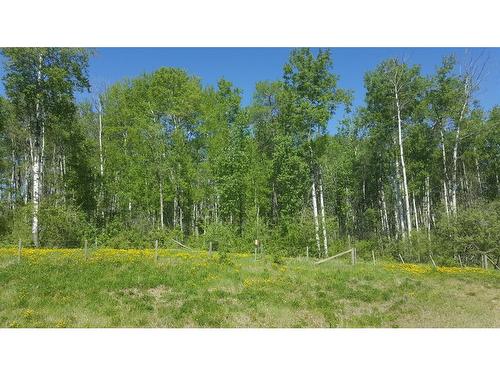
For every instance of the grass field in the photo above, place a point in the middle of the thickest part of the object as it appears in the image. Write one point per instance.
(127, 288)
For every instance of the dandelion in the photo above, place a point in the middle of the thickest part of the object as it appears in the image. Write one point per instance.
(28, 313)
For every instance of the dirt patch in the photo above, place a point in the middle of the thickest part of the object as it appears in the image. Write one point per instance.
(159, 291)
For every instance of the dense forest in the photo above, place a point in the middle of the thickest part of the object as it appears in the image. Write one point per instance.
(413, 173)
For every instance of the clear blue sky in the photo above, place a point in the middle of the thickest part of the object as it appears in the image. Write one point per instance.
(245, 66)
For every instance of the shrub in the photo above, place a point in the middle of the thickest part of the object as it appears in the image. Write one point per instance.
(472, 232)
(62, 226)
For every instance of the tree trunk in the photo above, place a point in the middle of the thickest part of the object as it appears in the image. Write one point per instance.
(477, 173)
(400, 215)
(161, 205)
(323, 220)
(181, 220)
(403, 166)
(455, 150)
(415, 214)
(466, 186)
(197, 211)
(38, 130)
(445, 176)
(454, 173)
(12, 195)
(175, 212)
(428, 202)
(315, 216)
(35, 196)
(384, 210)
(26, 187)
(101, 156)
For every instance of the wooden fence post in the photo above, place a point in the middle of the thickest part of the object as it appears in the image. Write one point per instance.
(485, 261)
(85, 248)
(156, 251)
(307, 252)
(19, 249)
(373, 256)
(353, 255)
(210, 248)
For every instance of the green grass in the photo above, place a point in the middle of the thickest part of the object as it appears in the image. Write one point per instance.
(60, 288)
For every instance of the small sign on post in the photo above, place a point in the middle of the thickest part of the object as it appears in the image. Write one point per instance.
(19, 249)
(156, 251)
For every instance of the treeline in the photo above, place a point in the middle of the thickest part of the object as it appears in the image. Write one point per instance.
(414, 171)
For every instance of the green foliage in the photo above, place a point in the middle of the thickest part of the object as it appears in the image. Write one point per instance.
(474, 231)
(62, 225)
(162, 157)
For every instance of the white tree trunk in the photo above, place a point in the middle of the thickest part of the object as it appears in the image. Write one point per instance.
(455, 150)
(38, 132)
(428, 210)
(25, 185)
(400, 215)
(13, 189)
(477, 173)
(384, 210)
(415, 214)
(403, 166)
(101, 156)
(466, 181)
(175, 211)
(161, 205)
(323, 220)
(454, 181)
(315, 216)
(445, 175)
(35, 197)
(181, 219)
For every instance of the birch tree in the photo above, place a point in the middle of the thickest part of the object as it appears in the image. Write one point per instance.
(40, 83)
(394, 91)
(312, 97)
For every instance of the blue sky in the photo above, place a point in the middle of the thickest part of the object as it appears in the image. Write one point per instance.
(245, 66)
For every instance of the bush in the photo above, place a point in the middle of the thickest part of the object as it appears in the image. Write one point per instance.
(62, 226)
(472, 232)
(59, 226)
(5, 220)
(119, 235)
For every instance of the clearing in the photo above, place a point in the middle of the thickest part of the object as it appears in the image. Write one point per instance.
(127, 288)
